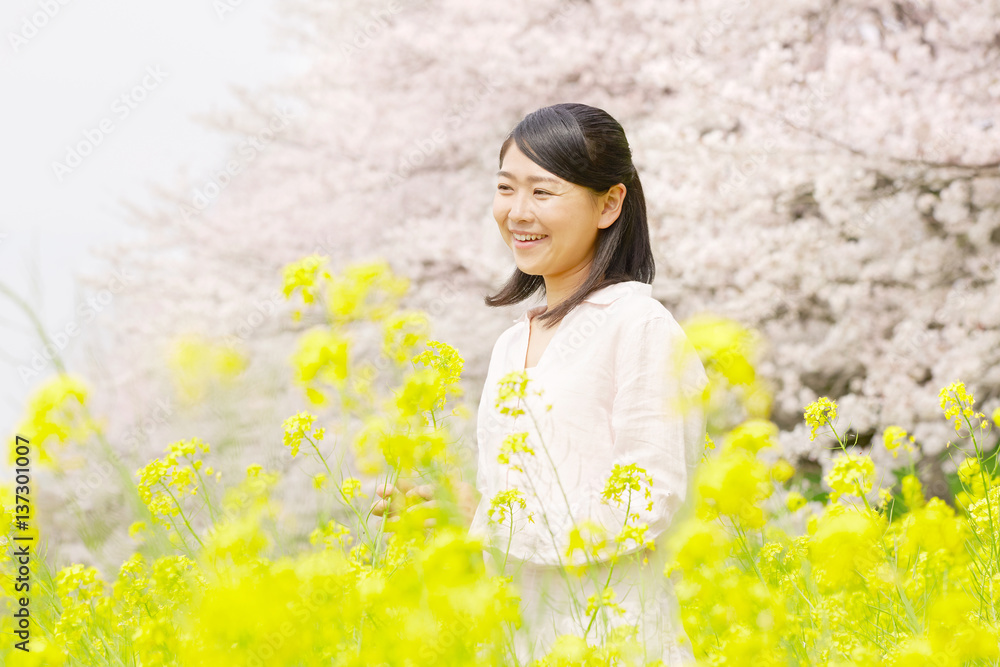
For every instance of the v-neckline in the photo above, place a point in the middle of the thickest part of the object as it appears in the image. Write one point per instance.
(527, 343)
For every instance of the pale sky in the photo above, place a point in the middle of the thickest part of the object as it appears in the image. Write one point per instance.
(118, 80)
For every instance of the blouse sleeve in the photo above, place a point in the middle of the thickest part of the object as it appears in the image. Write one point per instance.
(657, 424)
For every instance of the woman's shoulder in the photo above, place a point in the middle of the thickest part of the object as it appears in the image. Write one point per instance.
(634, 306)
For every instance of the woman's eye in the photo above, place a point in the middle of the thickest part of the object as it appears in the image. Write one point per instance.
(503, 187)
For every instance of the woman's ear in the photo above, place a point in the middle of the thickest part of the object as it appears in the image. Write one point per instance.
(613, 200)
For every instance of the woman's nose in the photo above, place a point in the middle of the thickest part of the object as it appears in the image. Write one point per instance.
(519, 209)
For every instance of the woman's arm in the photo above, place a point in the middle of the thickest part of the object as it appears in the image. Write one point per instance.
(657, 423)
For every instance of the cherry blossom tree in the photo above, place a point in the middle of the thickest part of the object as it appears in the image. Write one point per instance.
(826, 172)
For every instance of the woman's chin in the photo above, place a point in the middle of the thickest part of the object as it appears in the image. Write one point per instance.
(528, 269)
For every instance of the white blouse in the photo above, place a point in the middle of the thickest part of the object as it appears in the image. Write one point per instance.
(612, 373)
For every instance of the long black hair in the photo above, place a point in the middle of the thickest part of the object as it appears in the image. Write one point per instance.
(586, 146)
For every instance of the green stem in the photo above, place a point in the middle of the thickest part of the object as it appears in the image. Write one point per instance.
(362, 522)
(628, 508)
(204, 488)
(181, 511)
(994, 548)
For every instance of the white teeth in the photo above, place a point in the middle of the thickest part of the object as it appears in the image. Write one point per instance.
(528, 238)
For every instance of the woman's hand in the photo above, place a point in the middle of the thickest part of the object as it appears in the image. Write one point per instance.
(394, 499)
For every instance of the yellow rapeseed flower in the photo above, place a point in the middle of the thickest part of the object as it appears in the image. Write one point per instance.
(725, 346)
(734, 484)
(513, 444)
(321, 359)
(297, 428)
(511, 388)
(913, 492)
(782, 471)
(403, 334)
(448, 364)
(957, 402)
(420, 394)
(196, 364)
(695, 543)
(852, 474)
(626, 477)
(366, 290)
(351, 488)
(893, 437)
(303, 275)
(819, 413)
(753, 435)
(502, 505)
(589, 537)
(55, 415)
(794, 501)
(845, 546)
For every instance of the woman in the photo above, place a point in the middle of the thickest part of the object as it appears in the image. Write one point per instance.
(608, 372)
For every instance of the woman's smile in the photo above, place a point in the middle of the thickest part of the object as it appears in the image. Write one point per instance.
(528, 240)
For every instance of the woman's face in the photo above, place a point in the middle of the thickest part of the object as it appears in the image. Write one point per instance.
(532, 201)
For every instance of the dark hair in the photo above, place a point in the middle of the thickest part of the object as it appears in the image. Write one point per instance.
(586, 146)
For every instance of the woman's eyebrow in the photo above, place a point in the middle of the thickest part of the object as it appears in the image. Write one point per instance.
(530, 179)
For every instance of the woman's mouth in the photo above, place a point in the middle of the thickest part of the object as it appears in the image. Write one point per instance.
(528, 240)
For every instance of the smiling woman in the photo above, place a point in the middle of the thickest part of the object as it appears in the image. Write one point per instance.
(566, 174)
(609, 362)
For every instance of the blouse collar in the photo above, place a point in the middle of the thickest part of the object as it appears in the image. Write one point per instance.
(605, 295)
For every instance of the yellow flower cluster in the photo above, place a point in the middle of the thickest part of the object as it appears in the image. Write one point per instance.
(819, 413)
(163, 483)
(894, 436)
(589, 537)
(917, 584)
(302, 275)
(55, 415)
(734, 483)
(511, 388)
(956, 402)
(197, 365)
(365, 290)
(629, 477)
(297, 428)
(728, 352)
(320, 361)
(241, 582)
(502, 505)
(511, 445)
(448, 364)
(852, 474)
